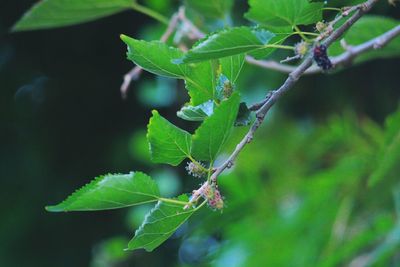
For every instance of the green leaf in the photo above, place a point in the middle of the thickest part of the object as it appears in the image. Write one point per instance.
(211, 9)
(367, 28)
(56, 13)
(228, 42)
(200, 82)
(196, 113)
(232, 66)
(212, 134)
(284, 12)
(168, 143)
(156, 57)
(278, 39)
(159, 224)
(389, 158)
(111, 191)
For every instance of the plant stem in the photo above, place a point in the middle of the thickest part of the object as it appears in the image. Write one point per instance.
(301, 33)
(332, 9)
(149, 12)
(287, 47)
(342, 59)
(271, 99)
(306, 33)
(172, 201)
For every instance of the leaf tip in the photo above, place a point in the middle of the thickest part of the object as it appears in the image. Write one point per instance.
(55, 208)
(14, 28)
(124, 38)
(155, 113)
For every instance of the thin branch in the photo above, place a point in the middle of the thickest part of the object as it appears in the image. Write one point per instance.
(376, 43)
(340, 60)
(293, 77)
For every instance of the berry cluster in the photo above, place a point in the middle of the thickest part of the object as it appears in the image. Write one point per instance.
(213, 197)
(321, 57)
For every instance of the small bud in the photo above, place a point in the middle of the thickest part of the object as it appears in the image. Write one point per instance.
(228, 89)
(196, 169)
(320, 26)
(224, 88)
(301, 48)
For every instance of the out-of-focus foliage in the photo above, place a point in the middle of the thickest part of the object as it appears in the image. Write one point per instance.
(358, 34)
(300, 196)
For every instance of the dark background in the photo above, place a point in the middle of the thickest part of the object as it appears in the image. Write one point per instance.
(63, 121)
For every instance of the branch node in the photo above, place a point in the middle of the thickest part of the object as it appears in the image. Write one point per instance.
(249, 139)
(229, 165)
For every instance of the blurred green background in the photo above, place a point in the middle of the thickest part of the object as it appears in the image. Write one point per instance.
(298, 196)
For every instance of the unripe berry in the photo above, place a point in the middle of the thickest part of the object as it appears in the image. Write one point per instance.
(320, 26)
(301, 48)
(228, 89)
(196, 169)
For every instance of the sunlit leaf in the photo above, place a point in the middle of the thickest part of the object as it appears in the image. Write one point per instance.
(111, 191)
(159, 224)
(284, 12)
(228, 42)
(212, 134)
(56, 13)
(156, 57)
(168, 143)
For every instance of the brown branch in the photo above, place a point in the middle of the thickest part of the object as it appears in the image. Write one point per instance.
(341, 60)
(293, 77)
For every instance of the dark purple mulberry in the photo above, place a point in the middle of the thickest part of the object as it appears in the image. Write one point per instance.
(321, 57)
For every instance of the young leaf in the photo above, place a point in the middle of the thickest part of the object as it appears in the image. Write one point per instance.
(111, 191)
(214, 131)
(367, 28)
(232, 66)
(160, 223)
(228, 42)
(156, 57)
(284, 12)
(168, 143)
(214, 9)
(196, 113)
(56, 13)
(200, 82)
